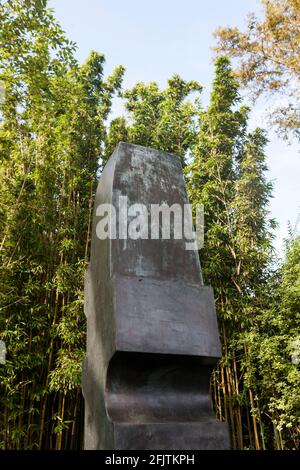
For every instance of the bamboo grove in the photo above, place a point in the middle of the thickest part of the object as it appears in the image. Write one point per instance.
(54, 140)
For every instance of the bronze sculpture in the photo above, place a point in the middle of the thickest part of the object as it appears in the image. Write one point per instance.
(152, 336)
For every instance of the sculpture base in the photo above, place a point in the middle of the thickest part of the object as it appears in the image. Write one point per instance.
(205, 435)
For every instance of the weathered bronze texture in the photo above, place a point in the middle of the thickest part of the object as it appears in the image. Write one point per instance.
(152, 336)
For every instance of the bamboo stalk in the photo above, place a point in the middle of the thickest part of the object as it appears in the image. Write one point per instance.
(43, 413)
(231, 414)
(249, 427)
(238, 407)
(61, 413)
(219, 396)
(254, 421)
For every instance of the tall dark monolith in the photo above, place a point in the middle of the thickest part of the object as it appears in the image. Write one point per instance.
(152, 335)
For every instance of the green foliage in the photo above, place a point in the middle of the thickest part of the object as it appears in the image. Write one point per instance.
(227, 175)
(163, 119)
(274, 344)
(51, 139)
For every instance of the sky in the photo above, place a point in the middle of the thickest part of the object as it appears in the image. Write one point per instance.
(155, 39)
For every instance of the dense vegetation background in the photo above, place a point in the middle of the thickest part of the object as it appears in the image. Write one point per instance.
(54, 140)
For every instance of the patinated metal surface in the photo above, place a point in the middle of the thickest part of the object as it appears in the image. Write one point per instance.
(152, 337)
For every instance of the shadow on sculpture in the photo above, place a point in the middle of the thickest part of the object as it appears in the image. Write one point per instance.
(152, 337)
